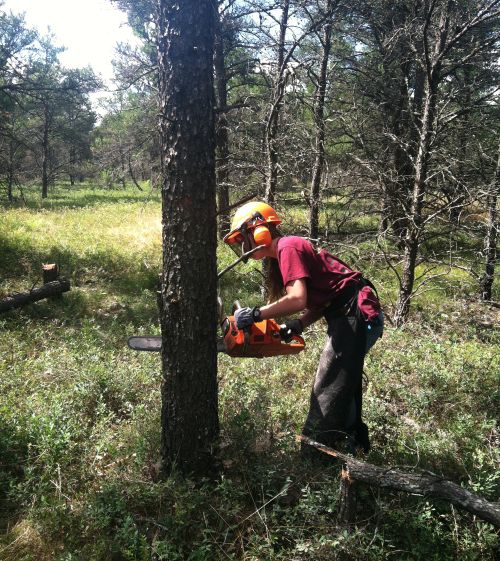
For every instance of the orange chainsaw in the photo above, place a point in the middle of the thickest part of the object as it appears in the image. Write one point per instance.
(261, 339)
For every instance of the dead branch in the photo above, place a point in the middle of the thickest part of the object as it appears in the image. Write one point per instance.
(425, 484)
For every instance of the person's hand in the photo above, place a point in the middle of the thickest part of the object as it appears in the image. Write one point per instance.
(246, 316)
(290, 328)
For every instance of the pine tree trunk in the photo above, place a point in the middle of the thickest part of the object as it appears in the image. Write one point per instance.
(490, 244)
(407, 278)
(10, 173)
(45, 152)
(189, 296)
(221, 131)
(319, 121)
(72, 164)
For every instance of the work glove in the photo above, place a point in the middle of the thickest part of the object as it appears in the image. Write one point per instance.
(290, 328)
(246, 316)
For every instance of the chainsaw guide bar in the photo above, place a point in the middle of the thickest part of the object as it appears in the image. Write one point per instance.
(152, 344)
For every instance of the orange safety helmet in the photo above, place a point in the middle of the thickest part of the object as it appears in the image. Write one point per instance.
(251, 215)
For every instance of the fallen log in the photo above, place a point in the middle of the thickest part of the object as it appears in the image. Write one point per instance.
(49, 289)
(428, 485)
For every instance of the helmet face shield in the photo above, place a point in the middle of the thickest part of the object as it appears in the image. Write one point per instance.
(243, 240)
(241, 244)
(247, 239)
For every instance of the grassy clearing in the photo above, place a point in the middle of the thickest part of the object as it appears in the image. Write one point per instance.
(79, 412)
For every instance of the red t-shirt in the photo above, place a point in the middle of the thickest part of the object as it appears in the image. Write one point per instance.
(327, 277)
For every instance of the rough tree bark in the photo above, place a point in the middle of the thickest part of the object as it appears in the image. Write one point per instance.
(189, 296)
(221, 130)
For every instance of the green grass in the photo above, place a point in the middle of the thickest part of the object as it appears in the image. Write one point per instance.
(80, 413)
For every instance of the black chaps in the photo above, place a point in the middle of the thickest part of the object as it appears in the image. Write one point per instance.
(336, 398)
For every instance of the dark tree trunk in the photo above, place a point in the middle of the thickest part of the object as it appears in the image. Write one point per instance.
(319, 122)
(189, 295)
(10, 172)
(72, 164)
(122, 166)
(45, 152)
(490, 244)
(399, 189)
(221, 131)
(271, 132)
(411, 245)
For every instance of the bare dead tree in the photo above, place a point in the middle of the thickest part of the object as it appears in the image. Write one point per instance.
(319, 121)
(278, 93)
(440, 33)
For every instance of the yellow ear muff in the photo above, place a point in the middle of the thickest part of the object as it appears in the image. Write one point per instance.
(262, 235)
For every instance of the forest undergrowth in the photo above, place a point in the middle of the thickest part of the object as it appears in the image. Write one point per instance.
(80, 412)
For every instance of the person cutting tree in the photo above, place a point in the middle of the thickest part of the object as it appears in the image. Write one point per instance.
(304, 279)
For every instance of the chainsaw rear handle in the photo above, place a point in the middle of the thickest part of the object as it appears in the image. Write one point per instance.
(288, 336)
(286, 333)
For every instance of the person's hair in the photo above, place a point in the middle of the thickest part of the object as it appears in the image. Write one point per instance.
(273, 279)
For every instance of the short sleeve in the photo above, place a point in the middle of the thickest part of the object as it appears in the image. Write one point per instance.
(292, 265)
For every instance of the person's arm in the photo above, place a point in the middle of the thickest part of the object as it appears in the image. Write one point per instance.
(293, 301)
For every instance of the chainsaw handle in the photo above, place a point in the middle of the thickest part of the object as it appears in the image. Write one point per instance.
(288, 336)
(246, 330)
(286, 333)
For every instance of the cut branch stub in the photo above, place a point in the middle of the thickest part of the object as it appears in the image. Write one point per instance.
(50, 272)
